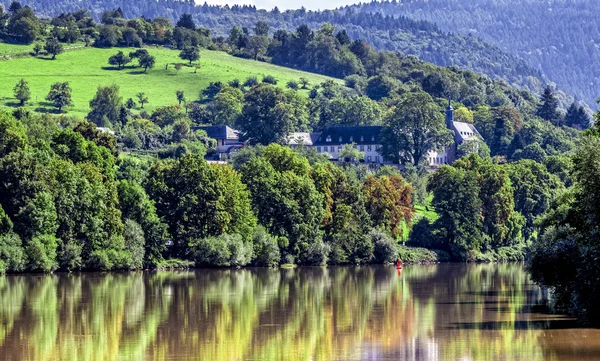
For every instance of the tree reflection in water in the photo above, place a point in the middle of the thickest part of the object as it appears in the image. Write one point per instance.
(471, 312)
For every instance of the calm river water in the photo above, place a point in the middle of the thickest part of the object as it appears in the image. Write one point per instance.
(439, 312)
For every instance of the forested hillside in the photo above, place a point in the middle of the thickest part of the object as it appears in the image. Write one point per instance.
(558, 37)
(421, 38)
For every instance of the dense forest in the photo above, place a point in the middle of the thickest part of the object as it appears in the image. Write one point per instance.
(399, 34)
(558, 37)
(138, 193)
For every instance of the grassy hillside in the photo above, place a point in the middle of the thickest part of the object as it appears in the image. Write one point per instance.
(86, 69)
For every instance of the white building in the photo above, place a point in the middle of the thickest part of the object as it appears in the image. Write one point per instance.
(333, 139)
(463, 132)
(228, 140)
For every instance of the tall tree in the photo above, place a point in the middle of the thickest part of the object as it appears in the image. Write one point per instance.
(53, 47)
(190, 53)
(186, 21)
(413, 127)
(147, 61)
(60, 95)
(269, 115)
(548, 108)
(22, 92)
(105, 106)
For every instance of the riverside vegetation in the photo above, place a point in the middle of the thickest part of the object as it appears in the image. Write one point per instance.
(75, 197)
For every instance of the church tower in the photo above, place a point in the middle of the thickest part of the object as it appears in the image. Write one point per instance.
(450, 116)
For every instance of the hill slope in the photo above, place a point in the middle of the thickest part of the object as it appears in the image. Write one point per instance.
(559, 37)
(421, 38)
(86, 69)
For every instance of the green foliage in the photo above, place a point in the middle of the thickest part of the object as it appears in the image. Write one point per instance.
(190, 53)
(134, 243)
(266, 249)
(60, 95)
(199, 201)
(119, 59)
(105, 106)
(222, 251)
(41, 251)
(413, 127)
(385, 248)
(22, 92)
(53, 47)
(269, 115)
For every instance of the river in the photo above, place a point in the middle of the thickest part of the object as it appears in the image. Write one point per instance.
(437, 312)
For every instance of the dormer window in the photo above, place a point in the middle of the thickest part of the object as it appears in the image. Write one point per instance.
(351, 139)
(340, 139)
(362, 139)
(328, 139)
(372, 138)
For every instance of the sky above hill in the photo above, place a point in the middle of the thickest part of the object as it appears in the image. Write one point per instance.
(284, 4)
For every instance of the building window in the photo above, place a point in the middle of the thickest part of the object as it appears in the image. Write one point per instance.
(319, 149)
(325, 149)
(328, 139)
(376, 159)
(355, 147)
(368, 148)
(369, 159)
(362, 148)
(339, 148)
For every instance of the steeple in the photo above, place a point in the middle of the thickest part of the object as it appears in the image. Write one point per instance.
(449, 116)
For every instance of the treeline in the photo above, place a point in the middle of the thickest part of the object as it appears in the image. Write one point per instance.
(488, 211)
(558, 38)
(68, 202)
(565, 258)
(390, 33)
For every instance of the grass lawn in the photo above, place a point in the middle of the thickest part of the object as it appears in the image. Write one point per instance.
(86, 69)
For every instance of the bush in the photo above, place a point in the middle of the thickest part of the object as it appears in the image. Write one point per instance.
(317, 254)
(293, 85)
(269, 79)
(134, 243)
(251, 81)
(266, 250)
(41, 251)
(419, 255)
(221, 251)
(12, 258)
(384, 247)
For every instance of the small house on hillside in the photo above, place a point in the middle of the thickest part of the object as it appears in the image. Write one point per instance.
(228, 140)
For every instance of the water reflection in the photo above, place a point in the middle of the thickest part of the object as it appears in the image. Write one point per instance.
(443, 312)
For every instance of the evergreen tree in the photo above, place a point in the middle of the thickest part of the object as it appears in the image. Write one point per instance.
(548, 108)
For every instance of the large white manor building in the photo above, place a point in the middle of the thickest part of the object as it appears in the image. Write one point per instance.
(366, 140)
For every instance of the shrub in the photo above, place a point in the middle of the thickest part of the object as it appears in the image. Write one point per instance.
(266, 250)
(317, 254)
(134, 243)
(418, 255)
(269, 79)
(384, 247)
(251, 81)
(12, 258)
(41, 251)
(221, 251)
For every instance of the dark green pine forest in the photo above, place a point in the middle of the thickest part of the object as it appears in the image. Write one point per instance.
(558, 37)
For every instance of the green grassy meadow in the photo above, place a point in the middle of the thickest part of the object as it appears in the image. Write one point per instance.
(86, 69)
